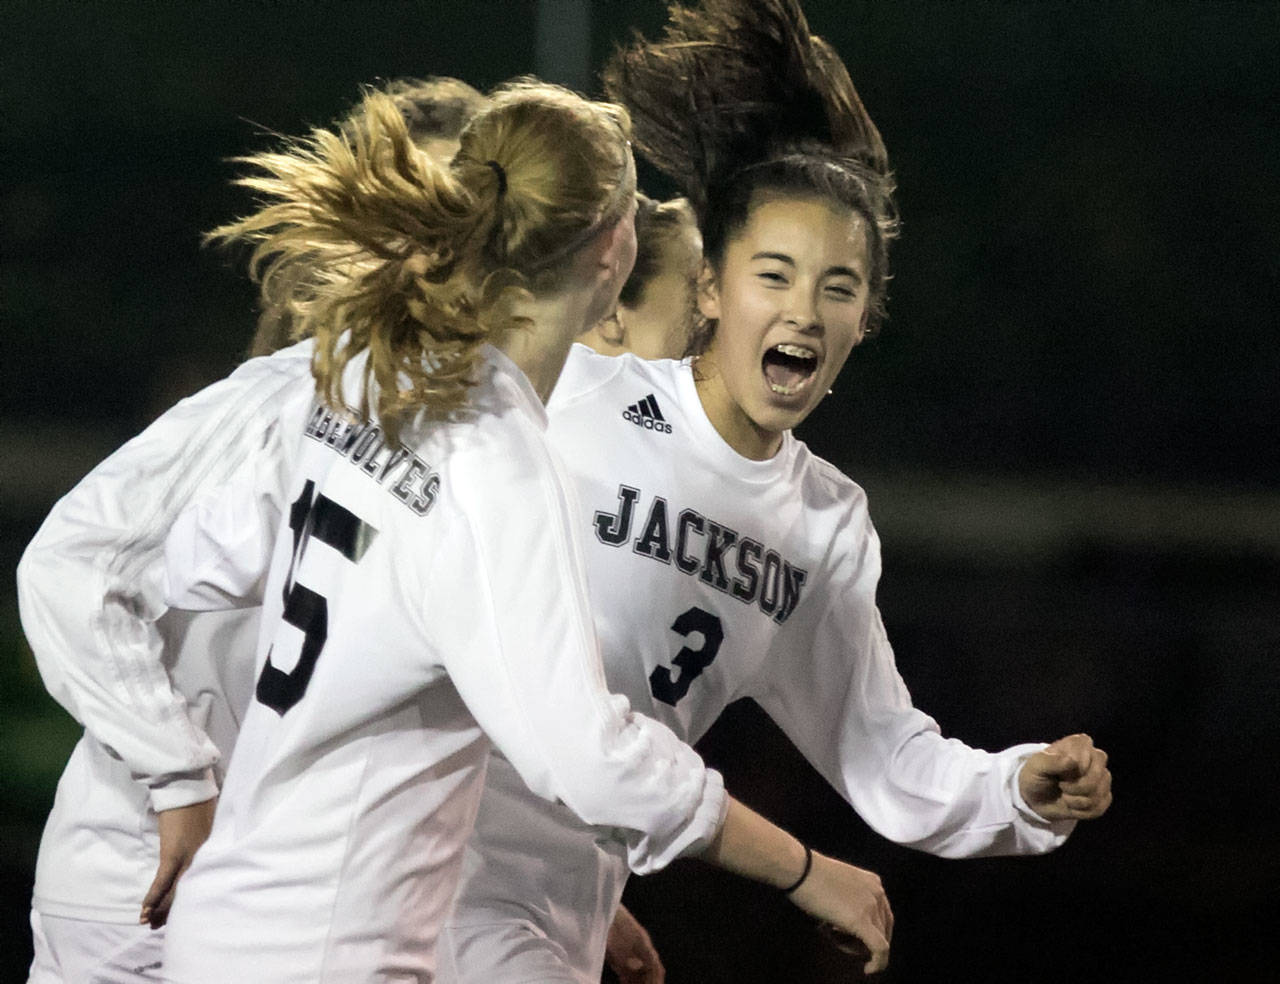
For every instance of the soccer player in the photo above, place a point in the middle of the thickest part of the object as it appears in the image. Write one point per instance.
(333, 851)
(656, 303)
(160, 692)
(724, 558)
(136, 798)
(989, 790)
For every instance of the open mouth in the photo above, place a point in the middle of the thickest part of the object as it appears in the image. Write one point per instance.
(787, 368)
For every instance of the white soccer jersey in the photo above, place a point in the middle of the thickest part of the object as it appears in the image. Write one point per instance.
(89, 589)
(418, 594)
(717, 577)
(160, 693)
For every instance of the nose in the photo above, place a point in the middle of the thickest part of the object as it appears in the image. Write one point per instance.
(802, 312)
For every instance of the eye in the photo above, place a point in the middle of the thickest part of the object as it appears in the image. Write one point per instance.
(772, 277)
(841, 292)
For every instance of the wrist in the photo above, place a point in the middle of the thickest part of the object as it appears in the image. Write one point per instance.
(1022, 794)
(804, 872)
(183, 790)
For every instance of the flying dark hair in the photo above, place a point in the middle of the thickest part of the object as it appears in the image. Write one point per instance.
(738, 98)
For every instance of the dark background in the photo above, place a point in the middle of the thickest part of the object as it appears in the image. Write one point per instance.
(1067, 429)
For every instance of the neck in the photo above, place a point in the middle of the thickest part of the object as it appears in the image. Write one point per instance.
(739, 431)
(540, 349)
(593, 339)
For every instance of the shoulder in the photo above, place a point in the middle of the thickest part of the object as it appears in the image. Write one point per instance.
(584, 372)
(269, 374)
(587, 373)
(841, 503)
(255, 389)
(493, 452)
(623, 390)
(209, 432)
(826, 486)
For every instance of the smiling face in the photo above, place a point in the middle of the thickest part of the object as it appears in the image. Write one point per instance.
(791, 299)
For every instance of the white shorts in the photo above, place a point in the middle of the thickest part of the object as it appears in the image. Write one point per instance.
(82, 951)
(513, 952)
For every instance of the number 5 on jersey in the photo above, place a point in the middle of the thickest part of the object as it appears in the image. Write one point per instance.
(321, 518)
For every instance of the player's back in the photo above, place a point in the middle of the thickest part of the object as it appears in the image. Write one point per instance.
(353, 787)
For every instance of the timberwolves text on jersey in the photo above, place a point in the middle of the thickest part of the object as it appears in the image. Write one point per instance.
(360, 441)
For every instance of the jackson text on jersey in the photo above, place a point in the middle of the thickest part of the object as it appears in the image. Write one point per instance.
(401, 472)
(760, 574)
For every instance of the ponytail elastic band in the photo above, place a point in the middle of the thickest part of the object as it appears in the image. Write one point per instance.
(502, 177)
(808, 866)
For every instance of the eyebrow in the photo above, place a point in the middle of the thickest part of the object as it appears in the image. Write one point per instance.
(835, 271)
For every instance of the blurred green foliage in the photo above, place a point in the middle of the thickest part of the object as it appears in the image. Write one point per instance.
(36, 735)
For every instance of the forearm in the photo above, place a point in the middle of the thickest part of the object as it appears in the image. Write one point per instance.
(92, 585)
(751, 846)
(851, 900)
(951, 800)
(909, 783)
(100, 654)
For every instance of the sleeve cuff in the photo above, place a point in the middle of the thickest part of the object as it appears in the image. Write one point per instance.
(183, 790)
(645, 856)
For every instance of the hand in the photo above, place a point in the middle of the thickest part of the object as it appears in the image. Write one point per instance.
(1069, 780)
(629, 952)
(853, 904)
(182, 830)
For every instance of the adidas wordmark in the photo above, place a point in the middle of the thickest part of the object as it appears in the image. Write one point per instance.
(645, 413)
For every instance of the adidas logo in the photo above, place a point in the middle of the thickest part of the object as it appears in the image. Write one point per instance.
(645, 413)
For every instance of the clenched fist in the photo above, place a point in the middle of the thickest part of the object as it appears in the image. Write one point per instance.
(1069, 780)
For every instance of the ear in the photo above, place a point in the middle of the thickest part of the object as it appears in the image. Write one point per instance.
(862, 327)
(708, 292)
(611, 245)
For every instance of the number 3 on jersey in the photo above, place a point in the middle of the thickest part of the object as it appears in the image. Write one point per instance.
(691, 662)
(323, 519)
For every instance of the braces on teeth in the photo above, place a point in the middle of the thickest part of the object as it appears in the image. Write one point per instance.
(795, 352)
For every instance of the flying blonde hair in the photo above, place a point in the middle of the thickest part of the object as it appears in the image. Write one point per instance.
(435, 109)
(379, 247)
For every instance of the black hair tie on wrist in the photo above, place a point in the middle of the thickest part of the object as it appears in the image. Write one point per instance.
(808, 866)
(502, 176)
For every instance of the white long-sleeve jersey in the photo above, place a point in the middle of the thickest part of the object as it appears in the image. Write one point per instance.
(423, 600)
(160, 692)
(717, 577)
(968, 802)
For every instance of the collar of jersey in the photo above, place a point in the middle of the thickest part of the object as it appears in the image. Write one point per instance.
(718, 451)
(502, 364)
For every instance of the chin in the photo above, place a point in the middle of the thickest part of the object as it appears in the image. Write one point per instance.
(774, 420)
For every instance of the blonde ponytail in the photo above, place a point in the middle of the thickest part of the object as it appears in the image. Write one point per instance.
(374, 246)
